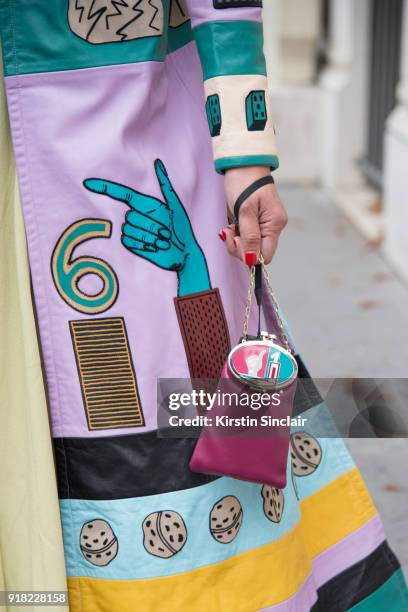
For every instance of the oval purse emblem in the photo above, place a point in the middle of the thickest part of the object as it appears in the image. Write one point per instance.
(263, 365)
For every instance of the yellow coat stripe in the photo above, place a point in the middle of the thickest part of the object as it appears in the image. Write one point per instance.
(267, 575)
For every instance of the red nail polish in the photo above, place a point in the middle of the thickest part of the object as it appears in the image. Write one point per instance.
(251, 258)
(222, 235)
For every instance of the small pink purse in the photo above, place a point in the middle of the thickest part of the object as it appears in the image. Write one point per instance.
(240, 442)
(243, 453)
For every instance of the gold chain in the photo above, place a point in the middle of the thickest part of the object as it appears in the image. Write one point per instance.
(284, 337)
(249, 299)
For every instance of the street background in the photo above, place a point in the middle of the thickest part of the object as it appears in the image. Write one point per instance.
(338, 74)
(347, 311)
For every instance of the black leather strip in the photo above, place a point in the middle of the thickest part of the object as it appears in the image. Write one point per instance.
(357, 582)
(225, 4)
(307, 394)
(118, 467)
(265, 180)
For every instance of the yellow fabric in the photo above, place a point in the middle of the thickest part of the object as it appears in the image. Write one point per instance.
(31, 551)
(267, 575)
(273, 572)
(334, 512)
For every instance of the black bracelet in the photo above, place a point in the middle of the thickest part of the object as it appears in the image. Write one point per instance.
(265, 180)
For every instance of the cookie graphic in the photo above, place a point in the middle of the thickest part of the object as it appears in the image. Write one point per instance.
(98, 542)
(226, 519)
(164, 533)
(306, 453)
(274, 503)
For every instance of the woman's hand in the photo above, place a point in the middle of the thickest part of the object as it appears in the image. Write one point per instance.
(262, 216)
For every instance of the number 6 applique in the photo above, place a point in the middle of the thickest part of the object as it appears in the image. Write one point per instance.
(67, 272)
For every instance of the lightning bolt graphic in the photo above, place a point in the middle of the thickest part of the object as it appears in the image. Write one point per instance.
(180, 8)
(116, 4)
(156, 10)
(123, 34)
(98, 14)
(79, 7)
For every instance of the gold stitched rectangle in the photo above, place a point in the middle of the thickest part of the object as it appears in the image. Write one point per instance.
(106, 373)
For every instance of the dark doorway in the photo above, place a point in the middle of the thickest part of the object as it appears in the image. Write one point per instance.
(385, 48)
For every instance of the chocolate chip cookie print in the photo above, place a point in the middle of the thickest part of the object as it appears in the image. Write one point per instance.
(226, 519)
(98, 542)
(306, 453)
(164, 533)
(274, 503)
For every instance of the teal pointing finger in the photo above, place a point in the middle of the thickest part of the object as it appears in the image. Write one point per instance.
(166, 187)
(122, 193)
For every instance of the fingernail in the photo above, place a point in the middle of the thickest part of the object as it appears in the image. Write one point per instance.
(162, 166)
(93, 184)
(162, 245)
(164, 233)
(222, 235)
(251, 258)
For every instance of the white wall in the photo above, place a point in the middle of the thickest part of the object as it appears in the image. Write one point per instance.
(396, 168)
(344, 87)
(321, 126)
(291, 30)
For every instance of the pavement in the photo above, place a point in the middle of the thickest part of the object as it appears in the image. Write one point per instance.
(348, 313)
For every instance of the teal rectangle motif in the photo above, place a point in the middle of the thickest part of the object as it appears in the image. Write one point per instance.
(213, 110)
(50, 36)
(256, 114)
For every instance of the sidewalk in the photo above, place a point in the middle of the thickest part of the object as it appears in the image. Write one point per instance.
(347, 312)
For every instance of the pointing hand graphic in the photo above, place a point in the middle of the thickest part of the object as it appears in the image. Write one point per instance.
(159, 231)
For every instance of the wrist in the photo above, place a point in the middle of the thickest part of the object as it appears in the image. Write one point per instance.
(236, 180)
(248, 173)
(193, 277)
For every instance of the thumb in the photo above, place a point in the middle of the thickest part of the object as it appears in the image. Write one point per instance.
(228, 236)
(250, 233)
(170, 196)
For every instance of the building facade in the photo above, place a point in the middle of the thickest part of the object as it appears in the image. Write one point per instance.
(338, 74)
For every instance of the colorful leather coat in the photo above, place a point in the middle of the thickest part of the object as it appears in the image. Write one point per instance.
(120, 152)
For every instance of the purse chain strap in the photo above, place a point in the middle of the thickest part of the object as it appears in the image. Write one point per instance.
(284, 338)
